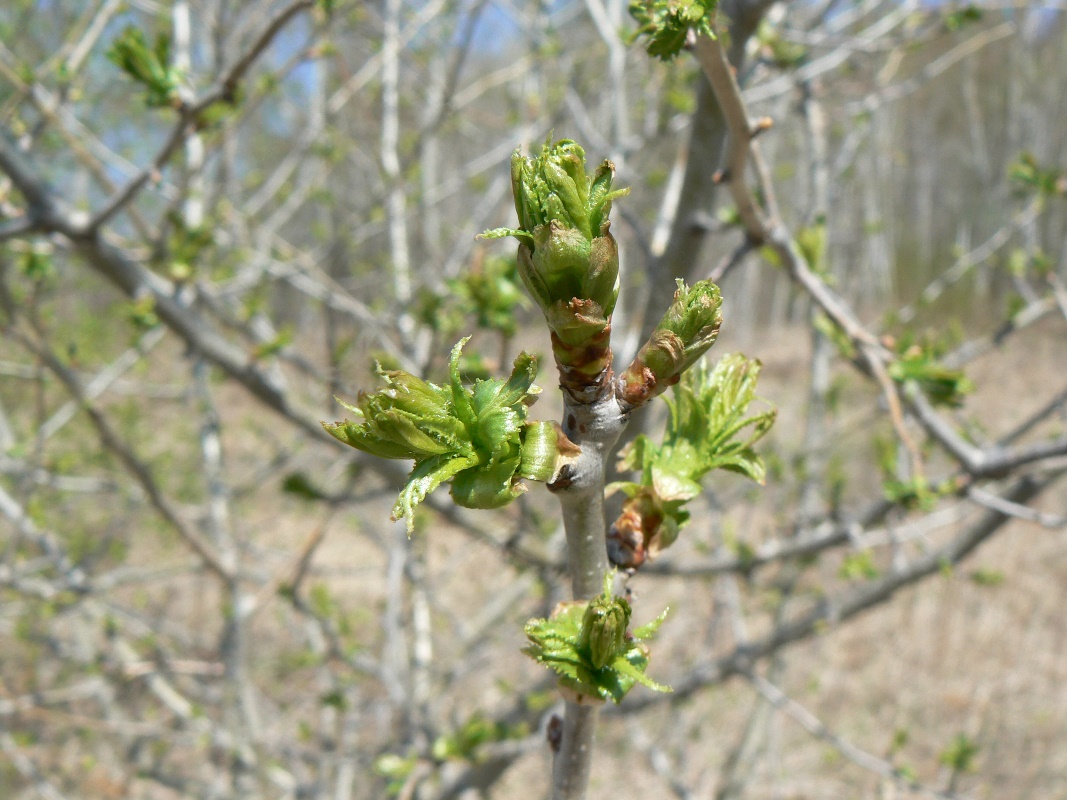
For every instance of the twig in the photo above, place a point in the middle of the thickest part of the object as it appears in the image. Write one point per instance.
(224, 90)
(764, 226)
(138, 469)
(862, 758)
(834, 610)
(1017, 510)
(659, 761)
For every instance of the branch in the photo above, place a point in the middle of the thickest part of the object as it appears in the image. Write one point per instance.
(764, 226)
(137, 468)
(777, 698)
(224, 90)
(835, 610)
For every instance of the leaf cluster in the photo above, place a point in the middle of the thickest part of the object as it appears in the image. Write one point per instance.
(1029, 176)
(961, 753)
(148, 65)
(919, 363)
(464, 741)
(957, 18)
(665, 24)
(709, 428)
(563, 226)
(781, 52)
(590, 646)
(476, 437)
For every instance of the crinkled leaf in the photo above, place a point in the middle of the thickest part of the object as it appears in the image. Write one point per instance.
(426, 477)
(521, 383)
(415, 431)
(461, 398)
(359, 437)
(744, 462)
(631, 669)
(672, 485)
(488, 486)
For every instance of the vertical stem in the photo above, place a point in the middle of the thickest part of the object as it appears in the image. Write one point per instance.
(595, 428)
(574, 761)
(421, 635)
(193, 207)
(815, 430)
(396, 201)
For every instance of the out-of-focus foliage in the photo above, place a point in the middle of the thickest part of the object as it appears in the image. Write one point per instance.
(665, 25)
(148, 65)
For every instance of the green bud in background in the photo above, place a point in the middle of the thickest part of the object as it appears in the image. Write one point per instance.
(664, 25)
(686, 332)
(567, 257)
(148, 65)
(476, 437)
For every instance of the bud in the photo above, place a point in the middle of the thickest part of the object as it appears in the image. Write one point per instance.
(588, 645)
(685, 333)
(650, 519)
(567, 257)
(604, 630)
(477, 437)
(545, 449)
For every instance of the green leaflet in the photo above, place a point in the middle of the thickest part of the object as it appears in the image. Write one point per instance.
(476, 437)
(427, 476)
(944, 386)
(707, 413)
(918, 363)
(590, 647)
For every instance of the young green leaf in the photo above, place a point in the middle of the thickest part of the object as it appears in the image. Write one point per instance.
(709, 428)
(148, 66)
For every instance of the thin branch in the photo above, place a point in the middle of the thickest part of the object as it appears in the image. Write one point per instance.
(138, 469)
(1017, 510)
(833, 610)
(862, 758)
(224, 90)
